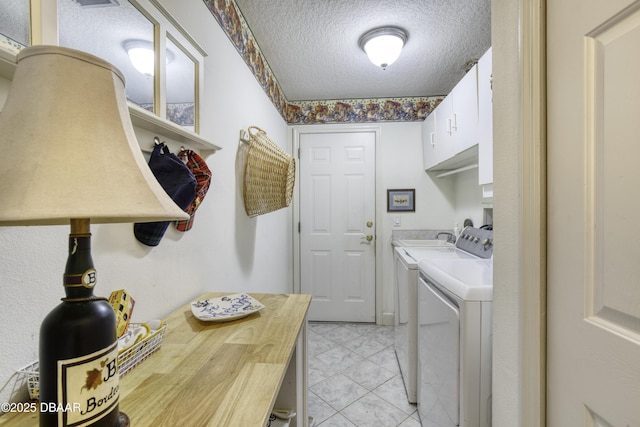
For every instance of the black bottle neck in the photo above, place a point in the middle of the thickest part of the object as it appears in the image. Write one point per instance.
(80, 274)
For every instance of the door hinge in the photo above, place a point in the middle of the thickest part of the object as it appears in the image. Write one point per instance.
(298, 153)
(298, 227)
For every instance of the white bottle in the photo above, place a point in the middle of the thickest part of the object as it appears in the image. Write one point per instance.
(456, 231)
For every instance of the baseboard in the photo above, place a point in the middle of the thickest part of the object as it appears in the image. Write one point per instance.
(387, 319)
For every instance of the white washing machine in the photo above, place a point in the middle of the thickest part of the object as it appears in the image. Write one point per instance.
(455, 341)
(406, 280)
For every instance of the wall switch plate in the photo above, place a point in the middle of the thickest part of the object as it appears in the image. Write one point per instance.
(396, 221)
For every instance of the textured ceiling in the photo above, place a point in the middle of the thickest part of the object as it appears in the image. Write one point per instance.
(312, 47)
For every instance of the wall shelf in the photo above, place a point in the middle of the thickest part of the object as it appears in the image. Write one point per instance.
(146, 120)
(458, 170)
(463, 161)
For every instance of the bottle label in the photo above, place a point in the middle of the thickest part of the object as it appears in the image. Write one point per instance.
(89, 278)
(88, 387)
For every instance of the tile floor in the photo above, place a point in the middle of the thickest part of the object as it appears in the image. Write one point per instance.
(354, 378)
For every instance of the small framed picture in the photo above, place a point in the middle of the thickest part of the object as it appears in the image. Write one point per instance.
(401, 200)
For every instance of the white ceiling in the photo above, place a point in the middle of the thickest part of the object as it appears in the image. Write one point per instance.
(312, 45)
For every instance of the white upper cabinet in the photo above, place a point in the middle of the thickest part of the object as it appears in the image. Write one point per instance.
(464, 114)
(445, 129)
(485, 124)
(429, 146)
(453, 142)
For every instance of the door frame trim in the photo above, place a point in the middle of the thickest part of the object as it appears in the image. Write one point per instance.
(519, 64)
(296, 131)
(534, 210)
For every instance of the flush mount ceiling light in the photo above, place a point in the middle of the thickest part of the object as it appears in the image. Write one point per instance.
(383, 45)
(141, 54)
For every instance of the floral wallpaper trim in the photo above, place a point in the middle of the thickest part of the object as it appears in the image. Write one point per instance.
(230, 19)
(361, 110)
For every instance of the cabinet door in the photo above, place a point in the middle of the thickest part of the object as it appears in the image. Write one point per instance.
(429, 141)
(485, 120)
(444, 130)
(465, 111)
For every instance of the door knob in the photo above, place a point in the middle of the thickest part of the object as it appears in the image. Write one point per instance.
(369, 224)
(368, 237)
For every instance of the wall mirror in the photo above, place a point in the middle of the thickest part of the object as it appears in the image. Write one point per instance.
(15, 24)
(109, 31)
(181, 86)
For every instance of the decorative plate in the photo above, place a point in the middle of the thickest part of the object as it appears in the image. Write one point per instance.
(224, 309)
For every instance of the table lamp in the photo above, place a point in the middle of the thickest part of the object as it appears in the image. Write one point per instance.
(69, 155)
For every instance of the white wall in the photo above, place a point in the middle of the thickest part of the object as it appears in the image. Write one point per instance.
(224, 251)
(401, 166)
(468, 198)
(252, 254)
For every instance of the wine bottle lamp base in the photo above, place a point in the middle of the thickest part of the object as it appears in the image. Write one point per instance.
(79, 347)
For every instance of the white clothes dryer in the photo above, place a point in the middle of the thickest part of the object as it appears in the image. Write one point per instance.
(455, 341)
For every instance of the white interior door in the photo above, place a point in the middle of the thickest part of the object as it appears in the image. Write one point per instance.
(337, 224)
(593, 202)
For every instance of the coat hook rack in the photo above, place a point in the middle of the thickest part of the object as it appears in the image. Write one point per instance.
(156, 141)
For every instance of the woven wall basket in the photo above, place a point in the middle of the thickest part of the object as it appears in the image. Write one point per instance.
(269, 175)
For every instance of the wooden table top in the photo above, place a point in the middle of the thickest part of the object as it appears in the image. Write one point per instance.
(209, 373)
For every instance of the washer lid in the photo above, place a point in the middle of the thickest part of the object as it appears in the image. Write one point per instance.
(469, 279)
(411, 255)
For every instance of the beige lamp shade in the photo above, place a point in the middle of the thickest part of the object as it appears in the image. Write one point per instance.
(67, 146)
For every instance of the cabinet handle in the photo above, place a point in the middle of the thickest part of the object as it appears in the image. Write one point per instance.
(433, 140)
